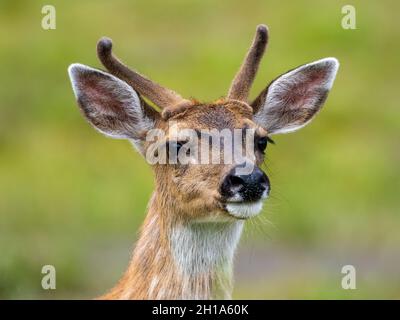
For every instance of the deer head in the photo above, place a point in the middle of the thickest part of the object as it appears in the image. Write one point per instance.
(113, 103)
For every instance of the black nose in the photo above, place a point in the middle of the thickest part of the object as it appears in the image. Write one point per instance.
(249, 187)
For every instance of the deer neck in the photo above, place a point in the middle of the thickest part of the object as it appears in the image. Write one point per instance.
(177, 259)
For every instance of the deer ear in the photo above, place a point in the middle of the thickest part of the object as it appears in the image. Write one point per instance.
(292, 100)
(111, 105)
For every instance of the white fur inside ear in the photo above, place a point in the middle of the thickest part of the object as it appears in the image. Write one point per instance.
(278, 99)
(330, 64)
(98, 93)
(244, 210)
(76, 70)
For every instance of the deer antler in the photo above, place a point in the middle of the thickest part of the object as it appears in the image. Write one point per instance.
(243, 80)
(161, 96)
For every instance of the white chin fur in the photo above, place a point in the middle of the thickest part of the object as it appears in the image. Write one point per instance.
(244, 210)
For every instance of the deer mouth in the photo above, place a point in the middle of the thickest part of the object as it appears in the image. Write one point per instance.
(241, 207)
(244, 210)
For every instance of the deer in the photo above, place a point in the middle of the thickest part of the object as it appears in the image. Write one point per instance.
(195, 217)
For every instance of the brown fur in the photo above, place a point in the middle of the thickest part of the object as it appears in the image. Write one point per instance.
(243, 80)
(187, 198)
(161, 96)
(179, 199)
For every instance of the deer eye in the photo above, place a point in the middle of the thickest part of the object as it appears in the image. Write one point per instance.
(262, 143)
(173, 148)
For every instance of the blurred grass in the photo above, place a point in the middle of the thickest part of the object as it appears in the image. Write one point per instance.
(72, 198)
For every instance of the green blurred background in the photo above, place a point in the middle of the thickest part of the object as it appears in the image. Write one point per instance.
(71, 198)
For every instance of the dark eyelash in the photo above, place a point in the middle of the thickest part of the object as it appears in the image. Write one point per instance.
(270, 140)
